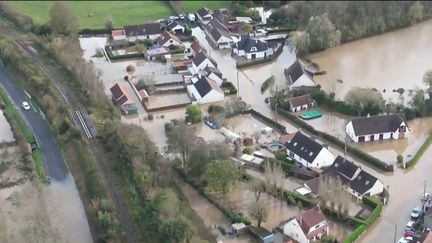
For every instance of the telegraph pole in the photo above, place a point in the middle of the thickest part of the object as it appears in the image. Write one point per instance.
(238, 87)
(395, 233)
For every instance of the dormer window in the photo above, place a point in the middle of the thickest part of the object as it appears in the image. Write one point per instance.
(253, 48)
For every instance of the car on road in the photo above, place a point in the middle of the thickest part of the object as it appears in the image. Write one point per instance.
(416, 212)
(25, 105)
(181, 16)
(173, 17)
(191, 17)
(212, 125)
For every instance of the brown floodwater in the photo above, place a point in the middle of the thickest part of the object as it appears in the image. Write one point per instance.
(397, 59)
(242, 198)
(6, 134)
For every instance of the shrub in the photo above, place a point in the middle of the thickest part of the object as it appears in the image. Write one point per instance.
(169, 126)
(399, 158)
(248, 150)
(267, 84)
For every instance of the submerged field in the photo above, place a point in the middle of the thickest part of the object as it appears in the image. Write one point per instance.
(123, 12)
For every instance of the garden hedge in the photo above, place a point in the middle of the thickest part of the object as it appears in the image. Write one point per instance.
(377, 209)
(272, 123)
(113, 57)
(352, 150)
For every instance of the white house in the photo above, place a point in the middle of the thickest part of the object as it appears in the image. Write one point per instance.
(312, 225)
(298, 76)
(251, 48)
(371, 128)
(169, 40)
(219, 34)
(201, 61)
(118, 35)
(143, 31)
(204, 90)
(308, 152)
(177, 26)
(214, 74)
(356, 181)
(301, 102)
(204, 15)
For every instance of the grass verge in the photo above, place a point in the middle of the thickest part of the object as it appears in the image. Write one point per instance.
(413, 161)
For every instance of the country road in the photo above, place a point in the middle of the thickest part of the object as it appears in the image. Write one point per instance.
(54, 162)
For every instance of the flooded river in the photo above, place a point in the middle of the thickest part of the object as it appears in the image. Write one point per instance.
(390, 61)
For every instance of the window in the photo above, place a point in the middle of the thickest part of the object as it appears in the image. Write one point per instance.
(291, 154)
(316, 227)
(171, 41)
(295, 143)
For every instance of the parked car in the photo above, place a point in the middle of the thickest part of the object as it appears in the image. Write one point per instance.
(225, 230)
(212, 125)
(410, 226)
(191, 17)
(181, 16)
(25, 105)
(173, 17)
(405, 240)
(416, 212)
(426, 197)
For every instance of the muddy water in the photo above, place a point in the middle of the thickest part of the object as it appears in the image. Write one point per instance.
(390, 61)
(64, 202)
(208, 212)
(278, 211)
(6, 134)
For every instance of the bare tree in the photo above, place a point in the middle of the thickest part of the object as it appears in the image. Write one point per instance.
(258, 211)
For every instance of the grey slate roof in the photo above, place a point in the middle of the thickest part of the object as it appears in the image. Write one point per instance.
(301, 100)
(201, 57)
(304, 146)
(246, 43)
(217, 29)
(143, 29)
(361, 182)
(203, 11)
(377, 124)
(216, 71)
(204, 85)
(295, 71)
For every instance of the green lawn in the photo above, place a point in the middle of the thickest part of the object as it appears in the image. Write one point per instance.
(123, 12)
(193, 6)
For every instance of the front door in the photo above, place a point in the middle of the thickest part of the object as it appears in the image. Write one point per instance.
(381, 136)
(372, 137)
(253, 56)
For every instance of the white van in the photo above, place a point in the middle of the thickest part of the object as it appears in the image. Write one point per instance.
(191, 17)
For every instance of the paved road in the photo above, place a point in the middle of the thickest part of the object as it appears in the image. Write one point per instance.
(55, 165)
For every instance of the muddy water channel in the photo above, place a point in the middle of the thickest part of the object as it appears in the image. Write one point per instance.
(390, 61)
(6, 134)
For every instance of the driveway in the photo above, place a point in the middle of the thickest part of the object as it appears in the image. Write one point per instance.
(55, 165)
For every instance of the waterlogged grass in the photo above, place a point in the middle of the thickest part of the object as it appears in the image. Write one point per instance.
(123, 12)
(38, 159)
(14, 114)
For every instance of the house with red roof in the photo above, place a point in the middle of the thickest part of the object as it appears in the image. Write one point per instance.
(118, 35)
(310, 226)
(119, 94)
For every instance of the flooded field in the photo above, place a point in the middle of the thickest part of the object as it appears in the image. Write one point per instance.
(390, 61)
(6, 134)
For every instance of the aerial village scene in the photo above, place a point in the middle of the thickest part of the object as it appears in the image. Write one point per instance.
(231, 125)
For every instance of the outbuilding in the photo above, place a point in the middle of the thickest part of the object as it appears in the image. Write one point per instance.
(301, 102)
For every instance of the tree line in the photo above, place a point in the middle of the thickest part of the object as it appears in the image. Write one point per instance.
(323, 24)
